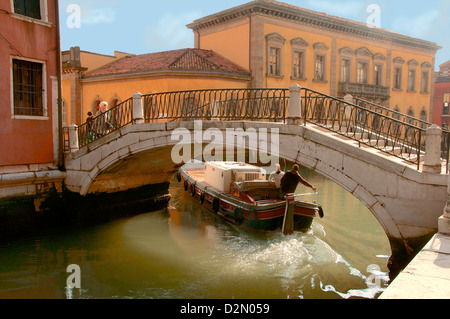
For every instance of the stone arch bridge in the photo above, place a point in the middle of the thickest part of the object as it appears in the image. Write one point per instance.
(402, 184)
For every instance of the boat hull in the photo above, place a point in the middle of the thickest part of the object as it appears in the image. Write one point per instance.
(267, 215)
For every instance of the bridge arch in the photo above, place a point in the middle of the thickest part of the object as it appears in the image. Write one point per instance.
(407, 203)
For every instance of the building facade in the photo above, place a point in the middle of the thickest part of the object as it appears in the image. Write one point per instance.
(29, 55)
(283, 44)
(117, 81)
(75, 63)
(442, 96)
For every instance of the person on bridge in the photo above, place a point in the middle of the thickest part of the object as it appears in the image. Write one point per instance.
(290, 181)
(103, 122)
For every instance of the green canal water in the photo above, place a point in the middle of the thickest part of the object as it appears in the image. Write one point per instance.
(186, 252)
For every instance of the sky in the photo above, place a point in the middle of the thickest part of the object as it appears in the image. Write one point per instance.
(145, 26)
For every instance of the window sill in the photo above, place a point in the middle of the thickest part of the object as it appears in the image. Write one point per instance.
(298, 79)
(397, 90)
(275, 76)
(320, 81)
(28, 19)
(32, 118)
(411, 91)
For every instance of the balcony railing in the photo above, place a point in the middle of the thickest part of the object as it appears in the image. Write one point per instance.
(362, 89)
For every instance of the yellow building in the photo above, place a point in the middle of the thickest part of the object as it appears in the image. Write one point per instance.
(177, 70)
(283, 44)
(75, 64)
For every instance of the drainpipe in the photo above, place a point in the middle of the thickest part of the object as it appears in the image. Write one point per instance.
(60, 122)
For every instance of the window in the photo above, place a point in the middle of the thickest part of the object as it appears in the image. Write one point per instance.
(275, 43)
(361, 75)
(320, 68)
(425, 77)
(423, 115)
(426, 68)
(297, 65)
(446, 104)
(320, 64)
(398, 78)
(29, 8)
(378, 75)
(378, 69)
(398, 74)
(412, 67)
(411, 80)
(299, 46)
(363, 57)
(346, 64)
(274, 61)
(345, 70)
(28, 88)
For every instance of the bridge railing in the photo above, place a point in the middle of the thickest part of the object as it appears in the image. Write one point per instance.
(445, 142)
(377, 130)
(105, 123)
(230, 104)
(388, 131)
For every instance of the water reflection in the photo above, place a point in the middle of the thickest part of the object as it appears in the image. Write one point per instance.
(187, 252)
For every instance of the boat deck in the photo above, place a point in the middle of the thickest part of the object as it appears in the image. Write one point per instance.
(198, 175)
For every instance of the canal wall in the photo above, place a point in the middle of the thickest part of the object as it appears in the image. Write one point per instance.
(33, 200)
(427, 276)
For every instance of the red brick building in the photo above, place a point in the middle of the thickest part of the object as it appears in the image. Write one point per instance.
(442, 96)
(29, 59)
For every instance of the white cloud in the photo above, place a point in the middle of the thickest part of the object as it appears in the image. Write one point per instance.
(419, 26)
(170, 32)
(98, 15)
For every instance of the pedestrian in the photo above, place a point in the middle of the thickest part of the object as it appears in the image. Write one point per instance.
(102, 122)
(290, 181)
(90, 134)
(90, 117)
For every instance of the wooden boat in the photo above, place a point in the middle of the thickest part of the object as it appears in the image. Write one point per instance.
(240, 193)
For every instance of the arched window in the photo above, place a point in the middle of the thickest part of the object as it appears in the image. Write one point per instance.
(115, 100)
(423, 118)
(96, 105)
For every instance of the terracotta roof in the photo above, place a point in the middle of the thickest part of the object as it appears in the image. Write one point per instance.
(176, 60)
(445, 65)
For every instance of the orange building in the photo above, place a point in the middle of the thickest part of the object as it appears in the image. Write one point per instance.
(75, 63)
(117, 81)
(29, 55)
(283, 44)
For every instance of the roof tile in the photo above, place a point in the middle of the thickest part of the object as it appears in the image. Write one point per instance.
(181, 60)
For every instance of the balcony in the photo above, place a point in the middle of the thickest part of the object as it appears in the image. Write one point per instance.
(364, 90)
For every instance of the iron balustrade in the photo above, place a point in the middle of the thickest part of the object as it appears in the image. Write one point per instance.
(230, 105)
(367, 123)
(105, 123)
(376, 130)
(411, 120)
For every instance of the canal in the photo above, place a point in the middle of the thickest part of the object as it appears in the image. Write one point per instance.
(186, 252)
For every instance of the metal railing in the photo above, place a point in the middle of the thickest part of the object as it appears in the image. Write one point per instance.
(105, 123)
(230, 105)
(370, 124)
(445, 143)
(387, 134)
